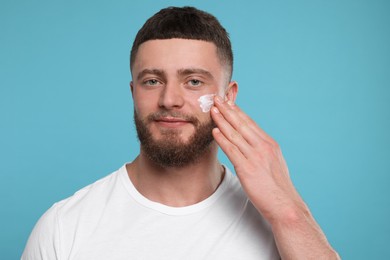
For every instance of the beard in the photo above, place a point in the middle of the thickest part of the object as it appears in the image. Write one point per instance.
(170, 150)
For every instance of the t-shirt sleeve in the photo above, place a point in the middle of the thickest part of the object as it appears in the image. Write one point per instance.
(43, 243)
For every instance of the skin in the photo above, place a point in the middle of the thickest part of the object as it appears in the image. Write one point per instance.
(159, 82)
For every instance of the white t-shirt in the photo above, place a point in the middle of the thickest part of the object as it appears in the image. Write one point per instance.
(111, 220)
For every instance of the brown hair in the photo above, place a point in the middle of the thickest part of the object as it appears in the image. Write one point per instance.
(185, 23)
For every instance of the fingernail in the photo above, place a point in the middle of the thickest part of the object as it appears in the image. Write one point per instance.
(215, 110)
(231, 103)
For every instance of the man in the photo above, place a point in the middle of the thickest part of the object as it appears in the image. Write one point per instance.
(175, 200)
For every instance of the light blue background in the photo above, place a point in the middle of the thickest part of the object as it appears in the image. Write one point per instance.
(314, 74)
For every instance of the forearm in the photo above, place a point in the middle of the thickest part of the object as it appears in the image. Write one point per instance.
(298, 236)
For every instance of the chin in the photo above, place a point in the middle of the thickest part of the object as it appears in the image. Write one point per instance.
(172, 137)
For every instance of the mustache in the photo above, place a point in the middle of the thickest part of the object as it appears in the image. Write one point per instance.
(176, 114)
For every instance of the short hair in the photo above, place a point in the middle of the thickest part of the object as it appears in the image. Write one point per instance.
(185, 23)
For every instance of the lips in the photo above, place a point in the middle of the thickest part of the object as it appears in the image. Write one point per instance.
(171, 121)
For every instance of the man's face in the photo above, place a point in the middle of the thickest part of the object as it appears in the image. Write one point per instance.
(169, 76)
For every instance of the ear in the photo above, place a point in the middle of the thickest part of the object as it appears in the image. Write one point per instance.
(231, 91)
(131, 87)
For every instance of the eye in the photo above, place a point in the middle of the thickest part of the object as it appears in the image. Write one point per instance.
(195, 82)
(151, 82)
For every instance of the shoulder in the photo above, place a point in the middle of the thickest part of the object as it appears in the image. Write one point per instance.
(43, 242)
(46, 239)
(95, 191)
(89, 201)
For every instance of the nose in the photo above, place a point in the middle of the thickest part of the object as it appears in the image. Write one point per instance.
(171, 97)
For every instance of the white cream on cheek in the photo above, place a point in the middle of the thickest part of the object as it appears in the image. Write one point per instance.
(206, 102)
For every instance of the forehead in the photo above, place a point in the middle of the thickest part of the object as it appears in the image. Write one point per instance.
(176, 54)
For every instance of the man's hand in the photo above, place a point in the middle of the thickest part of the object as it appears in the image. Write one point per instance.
(257, 160)
(263, 173)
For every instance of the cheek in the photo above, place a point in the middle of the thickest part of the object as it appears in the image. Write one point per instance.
(144, 104)
(138, 107)
(206, 102)
(196, 111)
(193, 105)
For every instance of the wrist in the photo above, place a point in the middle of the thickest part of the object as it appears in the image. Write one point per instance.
(290, 216)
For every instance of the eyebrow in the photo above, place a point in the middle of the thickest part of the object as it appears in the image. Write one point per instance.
(180, 72)
(156, 72)
(189, 71)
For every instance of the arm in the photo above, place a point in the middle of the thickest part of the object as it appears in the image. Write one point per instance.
(263, 173)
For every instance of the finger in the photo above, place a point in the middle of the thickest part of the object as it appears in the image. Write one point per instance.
(232, 152)
(240, 121)
(231, 134)
(251, 122)
(242, 125)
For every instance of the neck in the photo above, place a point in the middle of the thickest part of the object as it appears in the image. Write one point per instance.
(177, 186)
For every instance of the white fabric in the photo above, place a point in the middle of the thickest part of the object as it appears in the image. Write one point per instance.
(110, 219)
